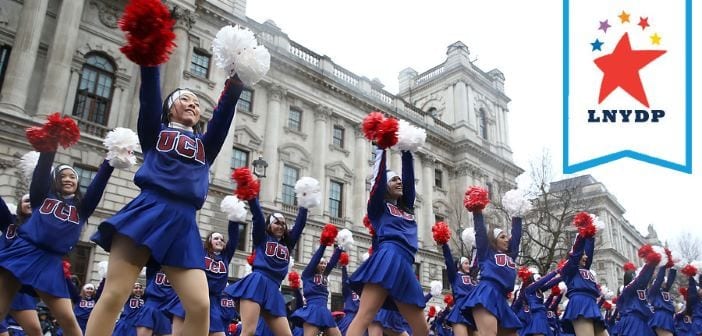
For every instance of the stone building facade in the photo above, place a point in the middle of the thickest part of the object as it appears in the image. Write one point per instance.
(303, 119)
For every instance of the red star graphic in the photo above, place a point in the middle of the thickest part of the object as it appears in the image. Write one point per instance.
(621, 69)
(643, 22)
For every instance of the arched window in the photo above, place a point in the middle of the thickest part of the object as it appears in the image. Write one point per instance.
(94, 95)
(482, 121)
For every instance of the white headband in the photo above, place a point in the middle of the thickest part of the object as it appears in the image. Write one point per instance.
(86, 286)
(463, 259)
(277, 216)
(389, 175)
(496, 232)
(58, 170)
(177, 95)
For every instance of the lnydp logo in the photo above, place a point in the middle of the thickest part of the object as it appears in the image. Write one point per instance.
(626, 83)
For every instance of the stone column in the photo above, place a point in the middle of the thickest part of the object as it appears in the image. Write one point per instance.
(58, 69)
(360, 195)
(270, 142)
(426, 220)
(450, 111)
(23, 55)
(470, 93)
(320, 149)
(116, 107)
(460, 98)
(70, 100)
(173, 69)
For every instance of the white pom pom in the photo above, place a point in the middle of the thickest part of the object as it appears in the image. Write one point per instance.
(516, 203)
(28, 162)
(365, 256)
(594, 274)
(142, 273)
(599, 224)
(236, 50)
(609, 295)
(661, 251)
(535, 272)
(679, 261)
(468, 236)
(121, 144)
(253, 64)
(345, 239)
(12, 208)
(234, 208)
(435, 288)
(409, 137)
(247, 269)
(563, 287)
(308, 192)
(102, 268)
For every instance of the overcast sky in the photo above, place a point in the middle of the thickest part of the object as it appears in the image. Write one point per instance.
(378, 39)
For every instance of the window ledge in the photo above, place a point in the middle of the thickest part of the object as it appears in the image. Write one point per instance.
(248, 113)
(296, 132)
(334, 147)
(187, 75)
(439, 189)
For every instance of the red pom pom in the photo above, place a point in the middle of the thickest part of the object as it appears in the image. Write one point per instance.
(524, 274)
(606, 305)
(370, 124)
(670, 263)
(629, 266)
(368, 225)
(683, 291)
(294, 280)
(232, 328)
(441, 232)
(63, 129)
(645, 250)
(247, 187)
(40, 140)
(66, 268)
(386, 135)
(328, 235)
(614, 300)
(448, 299)
(653, 258)
(582, 219)
(689, 270)
(250, 259)
(432, 311)
(587, 231)
(476, 198)
(555, 290)
(148, 27)
(344, 259)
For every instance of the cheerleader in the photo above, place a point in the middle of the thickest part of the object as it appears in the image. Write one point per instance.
(532, 295)
(59, 212)
(683, 323)
(661, 301)
(218, 255)
(153, 317)
(693, 300)
(461, 287)
(387, 277)
(633, 306)
(552, 302)
(125, 325)
(84, 302)
(487, 304)
(351, 301)
(315, 317)
(258, 293)
(389, 322)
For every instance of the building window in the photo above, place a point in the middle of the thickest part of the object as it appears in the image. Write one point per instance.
(295, 119)
(4, 59)
(200, 63)
(245, 102)
(438, 178)
(290, 177)
(80, 260)
(417, 270)
(337, 302)
(94, 95)
(439, 218)
(338, 136)
(490, 190)
(482, 116)
(240, 158)
(336, 191)
(243, 237)
(85, 176)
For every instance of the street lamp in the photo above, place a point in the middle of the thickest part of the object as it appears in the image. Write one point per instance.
(259, 167)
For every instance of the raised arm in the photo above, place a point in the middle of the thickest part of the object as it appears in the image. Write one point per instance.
(656, 287)
(556, 279)
(299, 301)
(692, 297)
(481, 238)
(72, 290)
(408, 192)
(576, 252)
(101, 286)
(333, 261)
(258, 231)
(222, 117)
(94, 192)
(672, 273)
(451, 269)
(540, 285)
(516, 237)
(376, 203)
(296, 232)
(345, 289)
(309, 271)
(589, 251)
(149, 122)
(232, 241)
(6, 217)
(41, 179)
(642, 279)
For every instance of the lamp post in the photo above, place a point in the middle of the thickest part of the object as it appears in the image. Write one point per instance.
(259, 167)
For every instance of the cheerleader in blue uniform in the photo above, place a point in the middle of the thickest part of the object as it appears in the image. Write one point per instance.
(662, 302)
(552, 302)
(351, 302)
(218, 255)
(23, 307)
(125, 325)
(632, 303)
(694, 305)
(258, 293)
(84, 302)
(534, 298)
(683, 324)
(59, 212)
(153, 317)
(315, 317)
(582, 315)
(461, 286)
(487, 304)
(387, 277)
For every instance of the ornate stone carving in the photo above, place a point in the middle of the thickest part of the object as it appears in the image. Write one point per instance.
(276, 92)
(184, 17)
(107, 13)
(322, 112)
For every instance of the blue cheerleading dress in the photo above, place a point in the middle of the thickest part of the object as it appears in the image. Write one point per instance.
(316, 293)
(683, 325)
(35, 257)
(439, 325)
(694, 306)
(534, 298)
(83, 306)
(661, 300)
(217, 272)
(159, 294)
(173, 179)
(127, 319)
(391, 265)
(552, 313)
(461, 286)
(497, 275)
(351, 302)
(633, 305)
(582, 286)
(270, 265)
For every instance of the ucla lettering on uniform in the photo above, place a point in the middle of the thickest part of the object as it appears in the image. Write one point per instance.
(183, 145)
(587, 275)
(611, 116)
(666, 296)
(319, 280)
(135, 303)
(397, 212)
(227, 303)
(641, 293)
(215, 266)
(60, 210)
(466, 279)
(502, 259)
(162, 280)
(273, 249)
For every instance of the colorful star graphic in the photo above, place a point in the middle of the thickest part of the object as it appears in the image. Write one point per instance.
(624, 17)
(597, 45)
(604, 25)
(621, 69)
(643, 22)
(655, 39)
